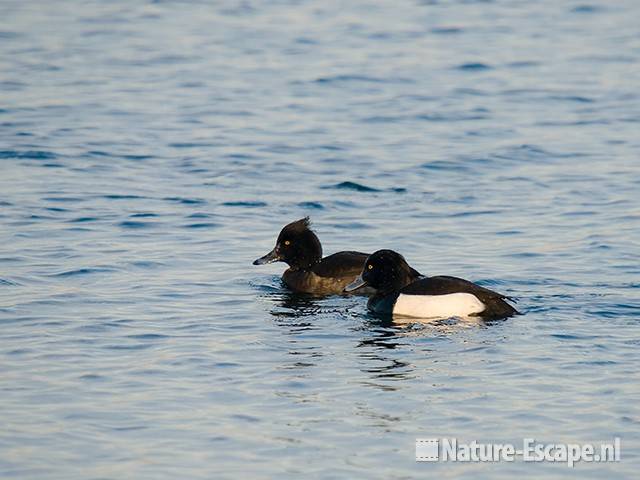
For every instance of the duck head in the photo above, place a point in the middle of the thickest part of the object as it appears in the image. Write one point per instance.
(297, 246)
(386, 271)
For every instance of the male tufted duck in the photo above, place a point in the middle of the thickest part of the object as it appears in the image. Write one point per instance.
(398, 293)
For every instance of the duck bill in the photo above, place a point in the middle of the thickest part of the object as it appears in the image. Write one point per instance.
(355, 285)
(272, 256)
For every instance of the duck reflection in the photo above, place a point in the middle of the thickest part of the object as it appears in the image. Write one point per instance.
(296, 314)
(381, 335)
(383, 371)
(384, 344)
(294, 305)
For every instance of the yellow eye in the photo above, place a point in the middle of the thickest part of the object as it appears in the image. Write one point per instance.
(370, 267)
(287, 242)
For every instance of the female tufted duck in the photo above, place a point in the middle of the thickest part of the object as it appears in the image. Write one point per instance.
(299, 247)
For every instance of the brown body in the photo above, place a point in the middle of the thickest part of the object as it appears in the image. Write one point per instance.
(329, 276)
(309, 272)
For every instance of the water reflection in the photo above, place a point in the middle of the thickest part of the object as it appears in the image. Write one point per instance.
(285, 303)
(294, 305)
(296, 315)
(375, 349)
(376, 418)
(383, 346)
(383, 336)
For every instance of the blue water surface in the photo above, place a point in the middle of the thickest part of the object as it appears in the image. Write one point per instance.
(150, 150)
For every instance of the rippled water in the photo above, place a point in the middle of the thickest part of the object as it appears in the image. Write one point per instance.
(150, 151)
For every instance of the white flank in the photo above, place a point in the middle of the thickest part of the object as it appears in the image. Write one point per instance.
(438, 306)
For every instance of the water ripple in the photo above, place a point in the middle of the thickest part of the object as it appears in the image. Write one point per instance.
(150, 151)
(357, 187)
(27, 154)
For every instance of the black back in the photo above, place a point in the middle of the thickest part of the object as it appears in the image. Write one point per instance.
(341, 264)
(495, 303)
(444, 284)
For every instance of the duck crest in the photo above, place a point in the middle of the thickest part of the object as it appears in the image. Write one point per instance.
(304, 249)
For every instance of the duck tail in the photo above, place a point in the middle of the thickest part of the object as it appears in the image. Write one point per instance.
(497, 308)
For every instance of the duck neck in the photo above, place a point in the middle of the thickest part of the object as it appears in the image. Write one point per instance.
(397, 283)
(308, 254)
(305, 263)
